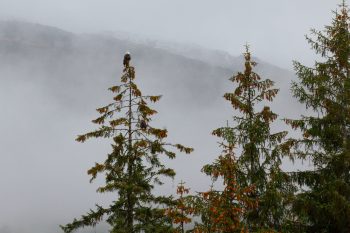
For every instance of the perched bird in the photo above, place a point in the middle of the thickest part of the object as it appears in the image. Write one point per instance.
(127, 59)
(143, 124)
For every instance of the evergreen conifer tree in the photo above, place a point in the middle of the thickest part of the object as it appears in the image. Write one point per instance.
(180, 213)
(324, 202)
(133, 167)
(228, 207)
(255, 176)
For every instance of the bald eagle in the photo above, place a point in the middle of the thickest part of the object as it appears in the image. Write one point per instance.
(127, 59)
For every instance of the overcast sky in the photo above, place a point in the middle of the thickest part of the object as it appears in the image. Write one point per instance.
(274, 28)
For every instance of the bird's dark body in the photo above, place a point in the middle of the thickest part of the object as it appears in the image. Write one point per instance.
(143, 124)
(127, 59)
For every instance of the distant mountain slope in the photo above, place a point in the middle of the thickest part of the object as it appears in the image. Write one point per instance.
(67, 60)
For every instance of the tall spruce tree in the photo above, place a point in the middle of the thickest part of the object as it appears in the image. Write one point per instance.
(259, 164)
(133, 167)
(324, 202)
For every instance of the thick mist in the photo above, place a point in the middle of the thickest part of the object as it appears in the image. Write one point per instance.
(52, 78)
(276, 27)
(51, 82)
